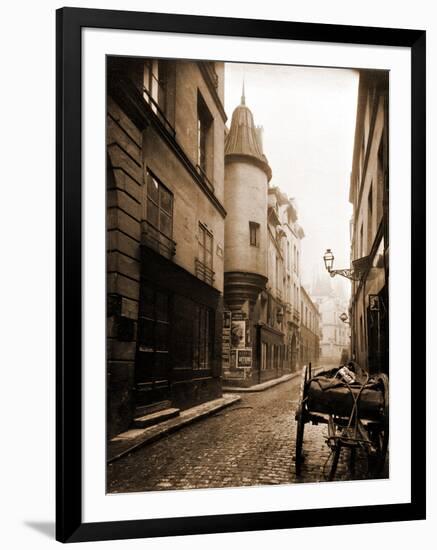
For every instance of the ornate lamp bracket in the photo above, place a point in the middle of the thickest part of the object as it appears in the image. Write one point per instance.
(348, 273)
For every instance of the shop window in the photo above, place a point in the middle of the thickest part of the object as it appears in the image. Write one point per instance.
(153, 334)
(203, 341)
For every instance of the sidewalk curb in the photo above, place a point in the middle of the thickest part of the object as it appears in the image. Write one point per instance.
(264, 386)
(153, 433)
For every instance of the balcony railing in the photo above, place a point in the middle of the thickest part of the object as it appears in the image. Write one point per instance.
(204, 272)
(154, 239)
(205, 177)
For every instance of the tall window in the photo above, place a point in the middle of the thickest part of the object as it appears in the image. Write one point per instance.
(381, 163)
(204, 136)
(158, 226)
(277, 276)
(159, 206)
(361, 242)
(204, 262)
(369, 216)
(155, 84)
(254, 233)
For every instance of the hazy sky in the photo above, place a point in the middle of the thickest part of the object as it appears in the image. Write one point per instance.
(308, 116)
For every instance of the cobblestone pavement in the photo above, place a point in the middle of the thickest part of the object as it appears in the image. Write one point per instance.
(249, 443)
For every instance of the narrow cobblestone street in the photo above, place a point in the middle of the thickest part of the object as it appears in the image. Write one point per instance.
(249, 443)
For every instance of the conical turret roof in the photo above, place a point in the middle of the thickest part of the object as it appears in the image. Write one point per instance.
(242, 142)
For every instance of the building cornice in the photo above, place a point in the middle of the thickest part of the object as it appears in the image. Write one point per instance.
(206, 73)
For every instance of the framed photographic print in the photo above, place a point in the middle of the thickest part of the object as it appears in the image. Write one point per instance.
(241, 253)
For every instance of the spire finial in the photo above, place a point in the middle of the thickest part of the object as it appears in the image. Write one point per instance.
(243, 96)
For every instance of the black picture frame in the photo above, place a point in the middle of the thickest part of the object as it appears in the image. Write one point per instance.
(69, 525)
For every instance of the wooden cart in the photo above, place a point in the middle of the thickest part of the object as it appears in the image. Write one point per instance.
(357, 415)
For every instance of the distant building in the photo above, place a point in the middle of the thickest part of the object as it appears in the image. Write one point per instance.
(309, 330)
(369, 195)
(334, 333)
(165, 235)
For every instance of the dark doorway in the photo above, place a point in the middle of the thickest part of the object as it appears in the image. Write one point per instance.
(377, 332)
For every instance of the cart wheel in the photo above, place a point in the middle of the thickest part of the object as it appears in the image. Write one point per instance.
(299, 442)
(385, 426)
(300, 418)
(380, 435)
(335, 459)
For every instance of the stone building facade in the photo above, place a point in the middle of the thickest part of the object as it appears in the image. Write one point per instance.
(292, 252)
(309, 330)
(282, 296)
(369, 195)
(165, 235)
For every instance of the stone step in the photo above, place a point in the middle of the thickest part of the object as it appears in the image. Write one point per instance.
(155, 418)
(152, 408)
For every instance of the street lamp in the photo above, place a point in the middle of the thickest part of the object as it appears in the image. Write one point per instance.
(328, 258)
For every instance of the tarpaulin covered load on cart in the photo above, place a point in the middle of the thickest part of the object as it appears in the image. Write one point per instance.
(329, 394)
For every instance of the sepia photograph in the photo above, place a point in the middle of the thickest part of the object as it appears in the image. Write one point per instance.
(247, 262)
